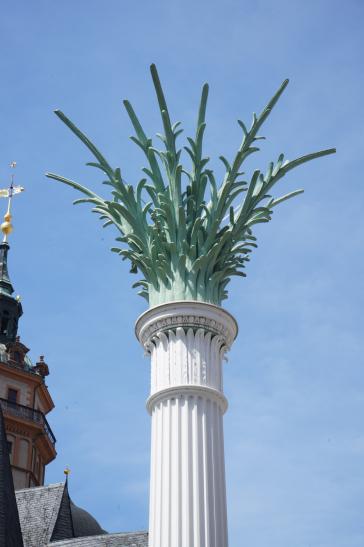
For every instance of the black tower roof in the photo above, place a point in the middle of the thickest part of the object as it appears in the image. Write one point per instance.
(10, 307)
(10, 531)
(5, 283)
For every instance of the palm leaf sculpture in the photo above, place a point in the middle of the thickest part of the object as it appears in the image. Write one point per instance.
(192, 235)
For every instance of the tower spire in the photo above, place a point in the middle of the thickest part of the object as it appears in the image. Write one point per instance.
(10, 307)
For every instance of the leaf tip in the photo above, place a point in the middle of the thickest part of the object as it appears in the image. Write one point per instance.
(59, 113)
(153, 69)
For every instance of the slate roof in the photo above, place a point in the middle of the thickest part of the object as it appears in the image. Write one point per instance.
(38, 510)
(131, 539)
(74, 522)
(45, 512)
(63, 528)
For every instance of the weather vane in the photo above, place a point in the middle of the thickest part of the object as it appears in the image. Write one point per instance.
(6, 226)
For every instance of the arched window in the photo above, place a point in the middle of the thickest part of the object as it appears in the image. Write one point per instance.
(11, 443)
(23, 453)
(4, 325)
(13, 327)
(37, 468)
(12, 395)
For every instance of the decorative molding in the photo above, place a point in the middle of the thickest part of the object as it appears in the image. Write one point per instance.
(185, 392)
(185, 314)
(17, 430)
(186, 357)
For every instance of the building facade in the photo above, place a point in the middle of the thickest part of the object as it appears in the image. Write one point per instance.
(24, 396)
(32, 514)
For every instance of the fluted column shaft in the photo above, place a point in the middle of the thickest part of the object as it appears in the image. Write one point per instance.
(187, 342)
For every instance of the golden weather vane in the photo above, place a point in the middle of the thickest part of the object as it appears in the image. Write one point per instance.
(6, 226)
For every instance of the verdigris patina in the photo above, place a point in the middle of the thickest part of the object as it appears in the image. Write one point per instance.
(193, 234)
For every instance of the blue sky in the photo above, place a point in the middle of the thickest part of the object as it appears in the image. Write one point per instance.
(294, 380)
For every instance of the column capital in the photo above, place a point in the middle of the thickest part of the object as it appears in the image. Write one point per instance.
(188, 315)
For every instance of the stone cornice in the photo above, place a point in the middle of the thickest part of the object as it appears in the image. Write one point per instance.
(13, 369)
(32, 378)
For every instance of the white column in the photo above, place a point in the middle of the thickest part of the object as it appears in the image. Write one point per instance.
(187, 342)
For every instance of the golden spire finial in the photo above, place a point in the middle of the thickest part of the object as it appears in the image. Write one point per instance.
(67, 471)
(6, 226)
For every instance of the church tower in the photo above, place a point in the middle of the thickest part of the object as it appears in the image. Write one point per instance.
(24, 396)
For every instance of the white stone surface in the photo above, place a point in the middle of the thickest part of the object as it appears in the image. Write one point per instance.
(187, 342)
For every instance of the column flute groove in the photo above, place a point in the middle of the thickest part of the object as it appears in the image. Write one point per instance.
(187, 342)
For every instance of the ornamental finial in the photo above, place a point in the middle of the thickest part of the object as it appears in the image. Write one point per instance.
(6, 226)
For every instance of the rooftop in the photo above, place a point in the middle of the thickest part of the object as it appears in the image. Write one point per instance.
(47, 513)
